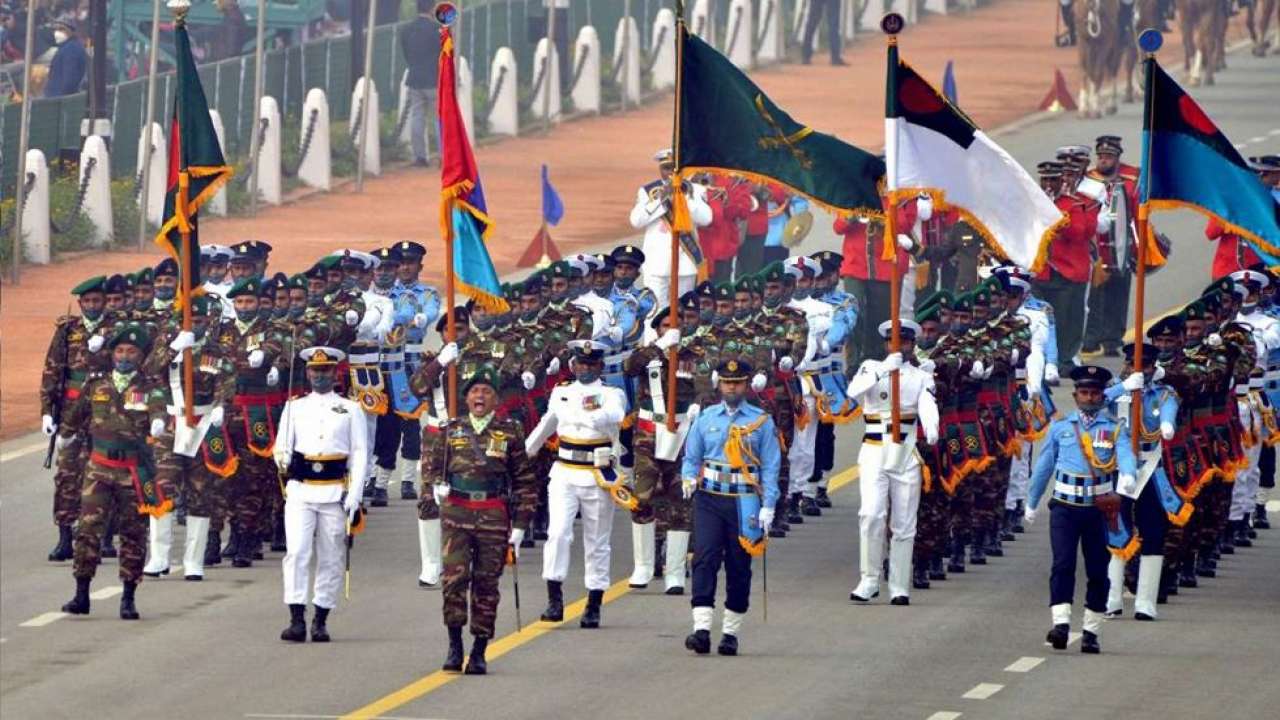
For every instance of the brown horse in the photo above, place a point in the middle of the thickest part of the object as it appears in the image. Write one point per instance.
(1258, 33)
(1102, 42)
(1203, 24)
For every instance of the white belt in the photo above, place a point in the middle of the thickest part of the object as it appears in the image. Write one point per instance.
(363, 358)
(393, 357)
(1065, 488)
(414, 348)
(728, 476)
(659, 417)
(617, 358)
(579, 457)
(817, 365)
(1020, 373)
(198, 410)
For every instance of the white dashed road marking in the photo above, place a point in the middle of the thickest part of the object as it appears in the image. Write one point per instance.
(45, 619)
(106, 592)
(982, 691)
(944, 715)
(1024, 664)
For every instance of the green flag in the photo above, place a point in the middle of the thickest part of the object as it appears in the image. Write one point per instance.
(725, 123)
(194, 155)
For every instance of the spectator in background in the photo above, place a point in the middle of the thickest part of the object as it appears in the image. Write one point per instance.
(420, 45)
(66, 71)
(231, 34)
(817, 8)
(9, 51)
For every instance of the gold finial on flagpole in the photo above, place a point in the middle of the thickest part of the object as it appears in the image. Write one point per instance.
(179, 8)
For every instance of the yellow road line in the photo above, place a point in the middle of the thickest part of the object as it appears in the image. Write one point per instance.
(507, 643)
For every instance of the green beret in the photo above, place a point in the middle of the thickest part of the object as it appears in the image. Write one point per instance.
(133, 334)
(723, 291)
(200, 305)
(97, 283)
(246, 286)
(939, 297)
(483, 374)
(928, 313)
(297, 282)
(329, 262)
(145, 276)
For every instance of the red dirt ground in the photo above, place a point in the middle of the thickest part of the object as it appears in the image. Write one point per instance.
(1004, 62)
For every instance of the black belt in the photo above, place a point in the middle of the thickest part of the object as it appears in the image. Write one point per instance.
(302, 468)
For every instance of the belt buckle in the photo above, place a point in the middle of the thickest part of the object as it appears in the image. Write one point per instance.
(477, 496)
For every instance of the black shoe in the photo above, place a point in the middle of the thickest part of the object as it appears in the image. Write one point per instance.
(63, 550)
(1058, 636)
(920, 577)
(1187, 576)
(320, 633)
(128, 611)
(540, 535)
(674, 590)
(809, 507)
(1143, 617)
(156, 574)
(900, 601)
(822, 499)
(555, 603)
(854, 596)
(476, 664)
(838, 62)
(277, 535)
(1089, 644)
(79, 605)
(193, 578)
(379, 497)
(527, 542)
(793, 510)
(977, 556)
(591, 616)
(777, 532)
(407, 491)
(421, 162)
(255, 550)
(1226, 544)
(956, 564)
(244, 551)
(1006, 531)
(1017, 517)
(297, 630)
(233, 544)
(453, 658)
(1241, 537)
(1260, 520)
(937, 569)
(699, 641)
(213, 549)
(1203, 568)
(993, 547)
(728, 645)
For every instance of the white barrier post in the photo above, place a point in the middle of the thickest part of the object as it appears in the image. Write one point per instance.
(268, 175)
(504, 115)
(217, 204)
(466, 103)
(801, 18)
(849, 19)
(936, 6)
(97, 195)
(628, 36)
(159, 172)
(662, 47)
(870, 16)
(586, 91)
(316, 168)
(405, 138)
(545, 55)
(771, 47)
(700, 22)
(372, 153)
(35, 213)
(740, 35)
(905, 8)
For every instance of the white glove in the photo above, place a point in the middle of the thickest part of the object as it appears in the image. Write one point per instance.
(615, 334)
(216, 416)
(766, 519)
(528, 380)
(1214, 340)
(553, 367)
(715, 379)
(905, 242)
(352, 503)
(351, 318)
(1051, 373)
(47, 425)
(928, 366)
(1167, 430)
(448, 354)
(786, 363)
(1104, 223)
(184, 340)
(517, 537)
(440, 491)
(824, 347)
(931, 436)
(669, 339)
(602, 456)
(1013, 358)
(924, 207)
(282, 458)
(892, 361)
(687, 486)
(157, 427)
(1134, 382)
(758, 382)
(419, 320)
(976, 371)
(256, 358)
(273, 377)
(1029, 516)
(1127, 485)
(1158, 374)
(95, 343)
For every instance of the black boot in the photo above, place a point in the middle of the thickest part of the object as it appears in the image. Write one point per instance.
(555, 602)
(476, 664)
(1260, 520)
(1248, 526)
(297, 630)
(1017, 517)
(379, 497)
(79, 605)
(920, 577)
(1006, 530)
(1226, 546)
(213, 549)
(591, 616)
(277, 535)
(1203, 567)
(956, 565)
(320, 633)
(1058, 636)
(728, 645)
(128, 611)
(233, 544)
(453, 658)
(937, 569)
(407, 490)
(63, 550)
(977, 555)
(1089, 644)
(993, 547)
(108, 549)
(793, 510)
(1241, 538)
(255, 547)
(698, 641)
(244, 550)
(822, 499)
(1187, 574)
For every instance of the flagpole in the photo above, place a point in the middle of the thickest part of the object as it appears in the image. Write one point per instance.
(891, 25)
(1149, 41)
(451, 321)
(184, 274)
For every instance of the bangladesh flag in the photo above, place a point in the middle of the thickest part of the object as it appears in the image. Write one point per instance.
(196, 165)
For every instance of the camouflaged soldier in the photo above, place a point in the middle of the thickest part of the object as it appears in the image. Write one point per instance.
(486, 489)
(75, 351)
(789, 330)
(119, 413)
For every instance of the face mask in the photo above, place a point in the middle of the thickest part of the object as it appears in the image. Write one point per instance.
(721, 320)
(348, 282)
(1090, 408)
(280, 312)
(322, 384)
(733, 399)
(91, 315)
(742, 314)
(165, 293)
(528, 315)
(926, 343)
(625, 283)
(385, 283)
(560, 295)
(297, 312)
(773, 302)
(125, 367)
(586, 377)
(482, 323)
(59, 36)
(142, 305)
(316, 300)
(246, 316)
(801, 293)
(266, 313)
(959, 328)
(706, 317)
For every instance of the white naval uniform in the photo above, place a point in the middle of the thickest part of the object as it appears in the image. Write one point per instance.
(802, 454)
(1266, 337)
(378, 320)
(602, 315)
(573, 489)
(1020, 467)
(651, 214)
(318, 425)
(890, 471)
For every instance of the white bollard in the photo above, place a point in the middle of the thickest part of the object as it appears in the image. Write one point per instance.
(700, 22)
(628, 35)
(586, 91)
(97, 196)
(663, 73)
(504, 114)
(739, 36)
(372, 152)
(771, 46)
(849, 19)
(268, 177)
(159, 172)
(35, 213)
(316, 168)
(405, 138)
(905, 8)
(466, 103)
(936, 6)
(801, 18)
(545, 54)
(217, 204)
(869, 18)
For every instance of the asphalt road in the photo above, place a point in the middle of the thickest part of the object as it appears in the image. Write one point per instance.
(970, 647)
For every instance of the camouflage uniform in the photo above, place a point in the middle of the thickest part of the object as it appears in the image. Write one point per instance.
(492, 489)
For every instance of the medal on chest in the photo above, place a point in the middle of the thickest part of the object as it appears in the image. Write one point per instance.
(591, 402)
(497, 446)
(134, 400)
